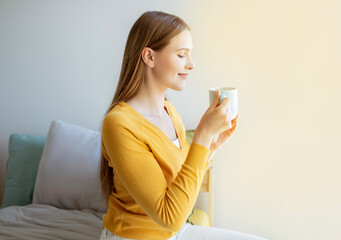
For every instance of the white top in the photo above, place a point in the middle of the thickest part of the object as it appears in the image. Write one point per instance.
(176, 142)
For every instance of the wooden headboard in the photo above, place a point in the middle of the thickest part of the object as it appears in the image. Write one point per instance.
(207, 186)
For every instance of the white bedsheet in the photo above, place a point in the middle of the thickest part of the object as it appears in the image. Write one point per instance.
(44, 222)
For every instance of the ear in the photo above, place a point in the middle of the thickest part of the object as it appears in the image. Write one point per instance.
(148, 56)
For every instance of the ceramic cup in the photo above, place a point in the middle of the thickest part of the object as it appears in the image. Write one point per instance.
(229, 92)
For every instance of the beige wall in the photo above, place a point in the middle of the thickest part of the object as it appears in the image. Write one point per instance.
(278, 177)
(280, 174)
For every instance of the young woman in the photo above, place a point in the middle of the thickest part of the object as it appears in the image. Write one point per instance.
(150, 175)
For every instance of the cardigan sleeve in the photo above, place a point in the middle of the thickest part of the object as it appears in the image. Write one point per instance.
(135, 165)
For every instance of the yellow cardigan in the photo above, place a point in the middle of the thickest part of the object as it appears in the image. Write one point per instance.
(156, 182)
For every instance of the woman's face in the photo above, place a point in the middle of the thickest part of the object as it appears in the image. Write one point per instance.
(173, 63)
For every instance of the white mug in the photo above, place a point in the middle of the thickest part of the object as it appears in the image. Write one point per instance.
(229, 92)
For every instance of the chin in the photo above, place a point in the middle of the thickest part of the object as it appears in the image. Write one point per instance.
(179, 87)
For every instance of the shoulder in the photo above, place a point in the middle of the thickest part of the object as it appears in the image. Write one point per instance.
(115, 115)
(119, 116)
(121, 119)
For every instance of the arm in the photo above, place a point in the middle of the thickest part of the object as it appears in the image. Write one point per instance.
(169, 206)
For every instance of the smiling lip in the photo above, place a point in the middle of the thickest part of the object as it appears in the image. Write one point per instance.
(182, 75)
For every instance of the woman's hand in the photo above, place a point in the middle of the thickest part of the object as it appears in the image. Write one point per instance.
(213, 122)
(221, 138)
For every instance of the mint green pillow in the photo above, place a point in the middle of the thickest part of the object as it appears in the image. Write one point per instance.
(189, 136)
(21, 169)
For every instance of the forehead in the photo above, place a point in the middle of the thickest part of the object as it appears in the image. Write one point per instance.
(182, 41)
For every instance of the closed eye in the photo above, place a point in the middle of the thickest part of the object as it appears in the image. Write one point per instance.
(181, 56)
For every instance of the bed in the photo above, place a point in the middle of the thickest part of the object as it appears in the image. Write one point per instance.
(39, 221)
(43, 197)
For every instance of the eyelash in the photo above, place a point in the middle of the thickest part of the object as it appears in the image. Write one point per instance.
(181, 56)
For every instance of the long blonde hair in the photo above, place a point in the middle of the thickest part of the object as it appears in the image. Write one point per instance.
(153, 29)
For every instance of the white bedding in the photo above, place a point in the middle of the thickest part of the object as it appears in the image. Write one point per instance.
(44, 222)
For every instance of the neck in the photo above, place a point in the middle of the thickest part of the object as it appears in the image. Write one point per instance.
(149, 101)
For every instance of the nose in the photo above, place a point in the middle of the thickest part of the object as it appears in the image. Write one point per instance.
(190, 65)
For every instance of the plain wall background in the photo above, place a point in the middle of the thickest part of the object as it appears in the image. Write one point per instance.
(278, 176)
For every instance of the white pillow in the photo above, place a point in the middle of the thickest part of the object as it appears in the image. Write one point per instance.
(68, 176)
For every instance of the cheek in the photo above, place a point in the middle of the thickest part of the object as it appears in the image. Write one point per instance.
(176, 63)
(169, 66)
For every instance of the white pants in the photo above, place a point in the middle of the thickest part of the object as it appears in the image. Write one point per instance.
(194, 232)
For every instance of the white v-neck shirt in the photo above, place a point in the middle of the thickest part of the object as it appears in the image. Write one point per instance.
(176, 142)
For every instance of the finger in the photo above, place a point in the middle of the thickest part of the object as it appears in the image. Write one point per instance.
(236, 118)
(216, 100)
(225, 103)
(234, 126)
(230, 131)
(217, 97)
